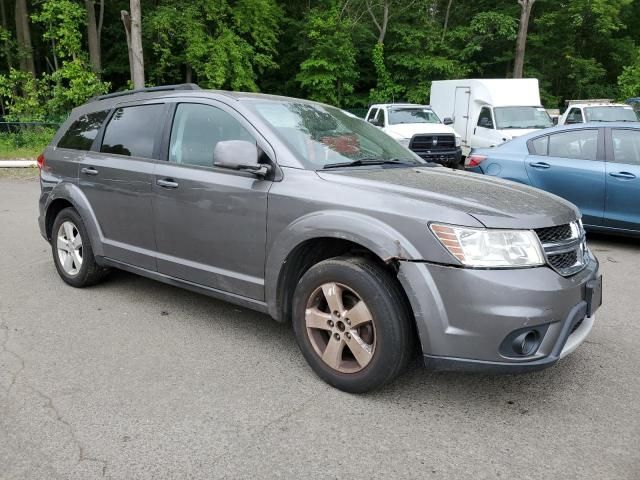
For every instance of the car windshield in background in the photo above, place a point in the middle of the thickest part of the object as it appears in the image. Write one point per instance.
(521, 117)
(412, 115)
(610, 114)
(324, 136)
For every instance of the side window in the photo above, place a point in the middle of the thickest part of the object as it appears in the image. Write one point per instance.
(539, 146)
(575, 116)
(626, 146)
(380, 120)
(582, 144)
(372, 114)
(83, 131)
(196, 130)
(484, 119)
(132, 131)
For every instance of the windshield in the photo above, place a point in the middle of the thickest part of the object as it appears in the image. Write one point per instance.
(521, 117)
(412, 115)
(610, 114)
(322, 135)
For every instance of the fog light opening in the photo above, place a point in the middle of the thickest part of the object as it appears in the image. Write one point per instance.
(526, 343)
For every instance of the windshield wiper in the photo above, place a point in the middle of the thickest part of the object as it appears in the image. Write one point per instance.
(370, 161)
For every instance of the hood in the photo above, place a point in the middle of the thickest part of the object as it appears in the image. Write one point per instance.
(408, 130)
(494, 202)
(510, 133)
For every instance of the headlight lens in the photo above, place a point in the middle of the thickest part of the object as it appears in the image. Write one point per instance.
(486, 248)
(458, 141)
(404, 142)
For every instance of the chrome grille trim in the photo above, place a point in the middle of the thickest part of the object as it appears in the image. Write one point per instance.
(559, 243)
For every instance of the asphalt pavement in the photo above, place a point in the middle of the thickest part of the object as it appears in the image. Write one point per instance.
(133, 379)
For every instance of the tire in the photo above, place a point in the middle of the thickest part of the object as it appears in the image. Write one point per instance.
(74, 259)
(352, 354)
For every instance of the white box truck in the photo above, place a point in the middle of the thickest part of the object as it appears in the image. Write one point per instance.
(488, 112)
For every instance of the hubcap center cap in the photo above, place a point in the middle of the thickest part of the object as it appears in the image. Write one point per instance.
(340, 325)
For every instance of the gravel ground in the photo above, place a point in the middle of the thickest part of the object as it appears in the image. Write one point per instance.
(134, 379)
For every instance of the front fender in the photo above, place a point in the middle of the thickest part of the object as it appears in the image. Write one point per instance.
(72, 194)
(378, 237)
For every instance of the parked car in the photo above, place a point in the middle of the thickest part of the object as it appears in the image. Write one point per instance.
(315, 217)
(584, 111)
(418, 128)
(635, 104)
(596, 167)
(488, 112)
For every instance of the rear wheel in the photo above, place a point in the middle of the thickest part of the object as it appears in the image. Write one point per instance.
(352, 323)
(72, 253)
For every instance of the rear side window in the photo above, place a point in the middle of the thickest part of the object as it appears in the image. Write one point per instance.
(83, 131)
(626, 146)
(582, 144)
(372, 114)
(539, 145)
(132, 131)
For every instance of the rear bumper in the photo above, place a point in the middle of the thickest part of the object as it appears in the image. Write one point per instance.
(465, 317)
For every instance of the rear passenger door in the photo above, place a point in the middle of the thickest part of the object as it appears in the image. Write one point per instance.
(210, 222)
(571, 165)
(116, 178)
(622, 209)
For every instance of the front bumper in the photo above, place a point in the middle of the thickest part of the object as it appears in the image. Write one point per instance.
(448, 158)
(464, 315)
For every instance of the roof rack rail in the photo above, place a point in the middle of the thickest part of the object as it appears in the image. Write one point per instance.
(162, 88)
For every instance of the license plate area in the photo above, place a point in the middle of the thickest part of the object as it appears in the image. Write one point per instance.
(593, 295)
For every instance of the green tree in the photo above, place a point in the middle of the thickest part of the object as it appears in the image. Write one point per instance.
(329, 72)
(629, 79)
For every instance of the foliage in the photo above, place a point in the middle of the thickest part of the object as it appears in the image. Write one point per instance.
(227, 47)
(629, 79)
(329, 73)
(27, 143)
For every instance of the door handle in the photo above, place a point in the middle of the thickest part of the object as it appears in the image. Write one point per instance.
(167, 183)
(89, 171)
(542, 165)
(627, 175)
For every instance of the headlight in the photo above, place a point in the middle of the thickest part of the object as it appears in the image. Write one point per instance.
(404, 142)
(458, 141)
(486, 248)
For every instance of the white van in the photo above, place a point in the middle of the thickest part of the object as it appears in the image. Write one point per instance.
(489, 112)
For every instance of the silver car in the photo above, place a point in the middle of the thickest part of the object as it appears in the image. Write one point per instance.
(312, 216)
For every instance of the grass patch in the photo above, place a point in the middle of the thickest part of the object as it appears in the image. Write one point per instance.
(28, 143)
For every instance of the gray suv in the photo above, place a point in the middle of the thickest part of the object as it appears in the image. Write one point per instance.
(312, 216)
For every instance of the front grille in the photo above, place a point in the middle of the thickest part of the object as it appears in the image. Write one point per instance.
(562, 261)
(564, 247)
(554, 234)
(432, 143)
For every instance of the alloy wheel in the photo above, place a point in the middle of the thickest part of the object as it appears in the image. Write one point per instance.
(340, 327)
(69, 246)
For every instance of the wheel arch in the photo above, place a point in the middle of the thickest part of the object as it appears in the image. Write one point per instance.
(324, 235)
(66, 195)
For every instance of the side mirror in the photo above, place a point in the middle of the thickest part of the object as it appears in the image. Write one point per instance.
(448, 121)
(239, 155)
(555, 120)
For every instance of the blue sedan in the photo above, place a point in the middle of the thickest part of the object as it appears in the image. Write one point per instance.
(596, 166)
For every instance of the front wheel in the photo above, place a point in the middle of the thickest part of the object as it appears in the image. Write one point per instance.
(352, 323)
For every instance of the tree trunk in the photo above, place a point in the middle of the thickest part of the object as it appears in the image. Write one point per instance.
(23, 37)
(6, 47)
(382, 24)
(93, 38)
(446, 20)
(137, 68)
(521, 42)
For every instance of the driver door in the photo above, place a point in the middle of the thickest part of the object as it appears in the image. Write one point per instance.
(210, 222)
(484, 134)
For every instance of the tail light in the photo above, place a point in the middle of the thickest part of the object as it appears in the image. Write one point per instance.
(40, 161)
(475, 160)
